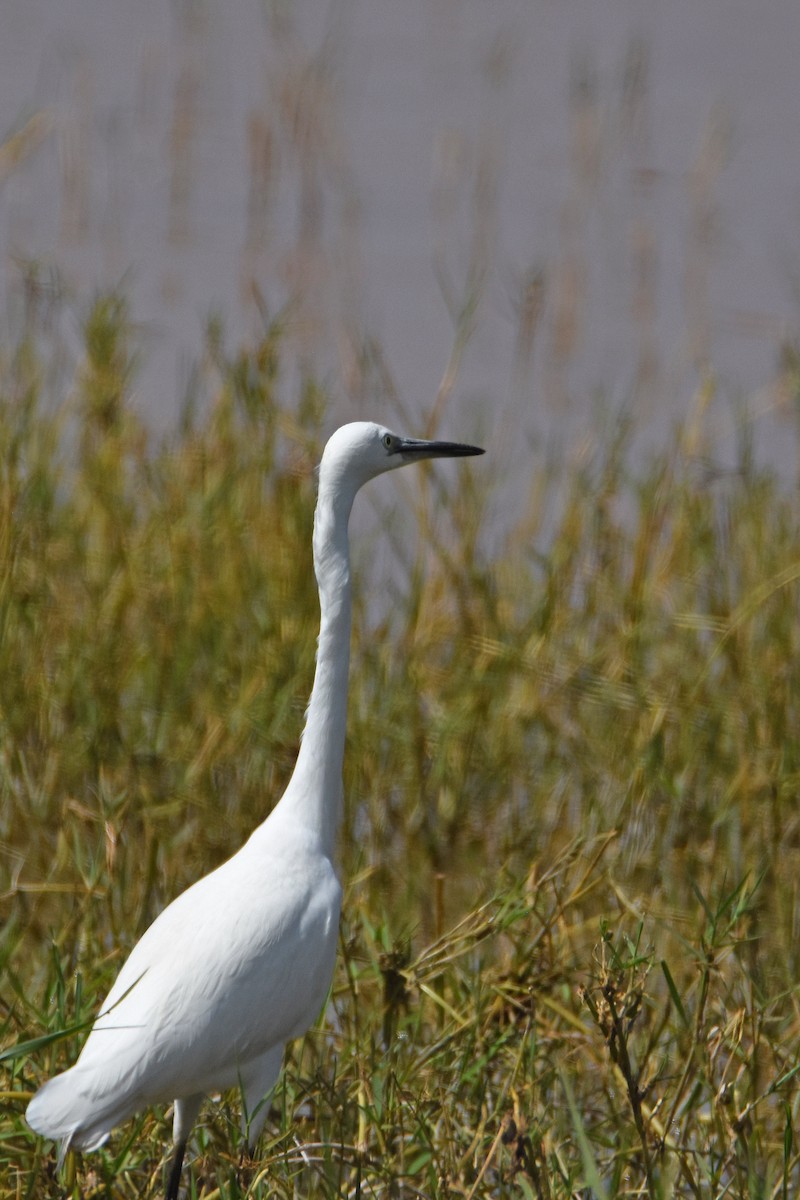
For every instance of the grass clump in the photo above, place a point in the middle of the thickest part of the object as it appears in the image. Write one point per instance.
(571, 848)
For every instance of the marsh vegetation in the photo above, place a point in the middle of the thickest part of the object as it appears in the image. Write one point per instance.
(569, 951)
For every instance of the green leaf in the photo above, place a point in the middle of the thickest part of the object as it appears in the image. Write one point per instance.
(590, 1168)
(673, 991)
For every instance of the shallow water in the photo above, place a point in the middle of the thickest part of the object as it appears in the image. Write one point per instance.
(614, 187)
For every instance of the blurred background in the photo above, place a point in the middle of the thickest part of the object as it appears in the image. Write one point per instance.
(543, 210)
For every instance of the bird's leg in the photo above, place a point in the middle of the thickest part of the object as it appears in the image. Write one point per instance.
(175, 1170)
(186, 1110)
(258, 1078)
(246, 1168)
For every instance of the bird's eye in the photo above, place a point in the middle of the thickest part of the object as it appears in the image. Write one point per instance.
(388, 441)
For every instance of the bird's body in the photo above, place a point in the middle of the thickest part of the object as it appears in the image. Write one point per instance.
(209, 990)
(241, 962)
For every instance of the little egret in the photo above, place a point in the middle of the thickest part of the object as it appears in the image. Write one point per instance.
(241, 962)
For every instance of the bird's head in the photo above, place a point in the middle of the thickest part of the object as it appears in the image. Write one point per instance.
(361, 450)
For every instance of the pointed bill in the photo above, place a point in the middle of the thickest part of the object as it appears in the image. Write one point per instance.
(417, 448)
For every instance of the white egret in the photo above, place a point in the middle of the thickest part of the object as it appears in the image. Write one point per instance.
(241, 962)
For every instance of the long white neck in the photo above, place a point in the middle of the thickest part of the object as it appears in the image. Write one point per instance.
(314, 796)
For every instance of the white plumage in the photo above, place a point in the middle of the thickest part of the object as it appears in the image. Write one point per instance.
(241, 962)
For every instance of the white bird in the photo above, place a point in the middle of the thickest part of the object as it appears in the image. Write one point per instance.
(241, 962)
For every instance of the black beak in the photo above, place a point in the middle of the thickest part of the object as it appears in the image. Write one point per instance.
(416, 448)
